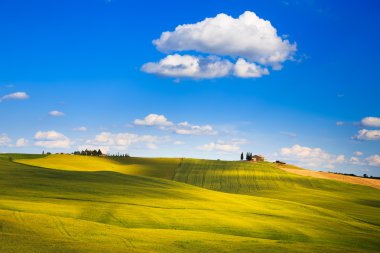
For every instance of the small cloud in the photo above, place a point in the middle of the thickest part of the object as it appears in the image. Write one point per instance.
(15, 96)
(183, 128)
(22, 142)
(289, 134)
(339, 123)
(340, 159)
(80, 129)
(5, 141)
(153, 120)
(51, 139)
(356, 161)
(371, 121)
(186, 128)
(368, 135)
(223, 146)
(311, 157)
(358, 153)
(178, 143)
(373, 160)
(108, 141)
(56, 113)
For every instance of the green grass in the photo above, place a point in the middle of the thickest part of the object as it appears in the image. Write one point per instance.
(153, 167)
(89, 204)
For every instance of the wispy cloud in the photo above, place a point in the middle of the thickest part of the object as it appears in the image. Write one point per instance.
(223, 146)
(15, 96)
(183, 128)
(56, 113)
(22, 142)
(80, 129)
(5, 141)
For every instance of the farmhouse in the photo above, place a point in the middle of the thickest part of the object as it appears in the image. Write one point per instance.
(258, 158)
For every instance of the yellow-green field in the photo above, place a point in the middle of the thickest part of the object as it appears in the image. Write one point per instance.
(64, 203)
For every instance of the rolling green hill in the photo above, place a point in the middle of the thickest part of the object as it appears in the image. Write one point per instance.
(88, 204)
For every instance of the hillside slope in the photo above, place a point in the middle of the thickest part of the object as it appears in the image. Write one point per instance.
(154, 167)
(270, 211)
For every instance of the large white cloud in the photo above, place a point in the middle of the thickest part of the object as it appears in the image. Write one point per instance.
(247, 36)
(253, 41)
(311, 157)
(15, 96)
(51, 139)
(371, 121)
(373, 160)
(368, 135)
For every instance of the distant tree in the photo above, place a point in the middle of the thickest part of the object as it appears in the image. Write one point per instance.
(100, 152)
(10, 159)
(365, 175)
(242, 156)
(43, 152)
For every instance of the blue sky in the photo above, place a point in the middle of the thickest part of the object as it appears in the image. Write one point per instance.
(77, 74)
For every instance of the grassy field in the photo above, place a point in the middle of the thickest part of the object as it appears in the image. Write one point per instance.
(62, 203)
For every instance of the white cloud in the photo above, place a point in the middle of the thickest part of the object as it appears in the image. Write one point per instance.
(107, 141)
(178, 142)
(371, 135)
(311, 157)
(340, 159)
(373, 160)
(339, 123)
(153, 120)
(189, 66)
(5, 140)
(22, 142)
(244, 69)
(80, 129)
(358, 153)
(183, 128)
(371, 121)
(189, 129)
(51, 139)
(356, 161)
(56, 113)
(222, 146)
(15, 96)
(247, 36)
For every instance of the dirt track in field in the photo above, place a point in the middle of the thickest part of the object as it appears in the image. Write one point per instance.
(375, 183)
